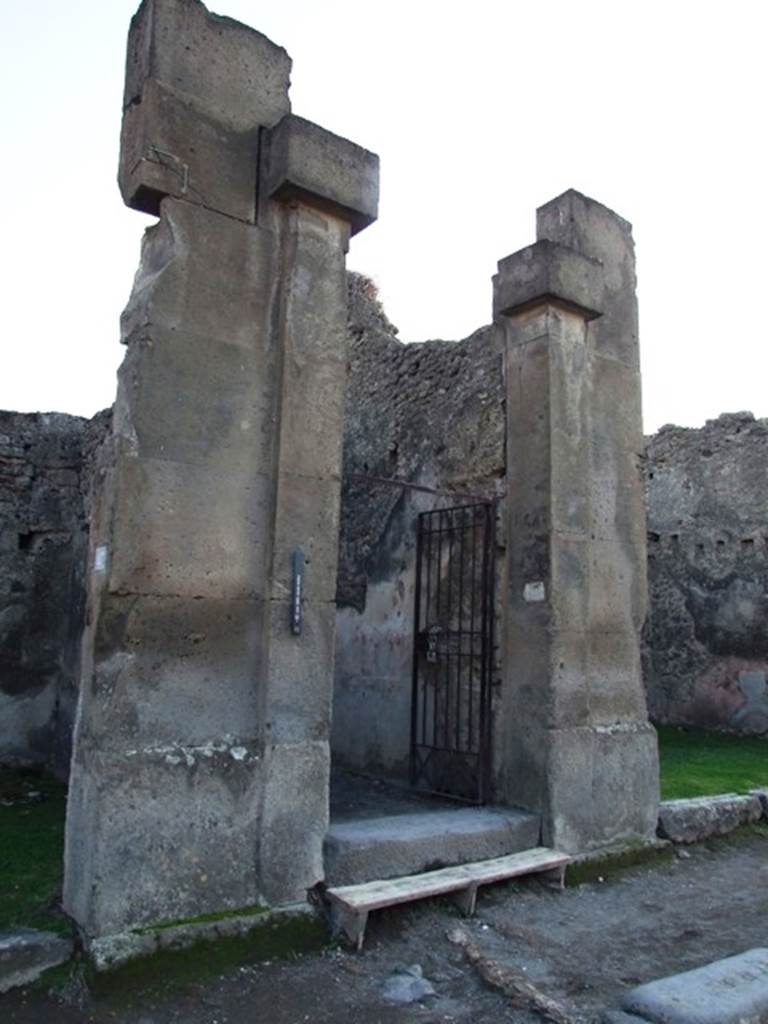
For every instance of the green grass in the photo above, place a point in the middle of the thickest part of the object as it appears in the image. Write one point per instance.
(695, 763)
(32, 809)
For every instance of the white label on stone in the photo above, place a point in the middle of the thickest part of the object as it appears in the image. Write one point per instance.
(100, 559)
(534, 592)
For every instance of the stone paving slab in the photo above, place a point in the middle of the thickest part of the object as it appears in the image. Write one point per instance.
(25, 954)
(731, 991)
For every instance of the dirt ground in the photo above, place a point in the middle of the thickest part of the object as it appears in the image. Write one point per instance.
(582, 947)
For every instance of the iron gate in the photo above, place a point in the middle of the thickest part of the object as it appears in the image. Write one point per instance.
(450, 712)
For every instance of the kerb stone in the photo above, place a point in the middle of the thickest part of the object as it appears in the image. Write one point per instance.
(731, 991)
(691, 821)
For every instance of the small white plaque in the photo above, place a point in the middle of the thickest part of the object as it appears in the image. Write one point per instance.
(100, 559)
(534, 592)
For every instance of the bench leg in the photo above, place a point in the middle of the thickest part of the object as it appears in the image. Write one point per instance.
(556, 876)
(465, 900)
(351, 924)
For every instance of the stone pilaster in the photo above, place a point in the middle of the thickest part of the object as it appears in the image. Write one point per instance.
(573, 738)
(200, 773)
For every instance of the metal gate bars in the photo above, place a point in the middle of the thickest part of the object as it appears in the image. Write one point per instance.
(450, 712)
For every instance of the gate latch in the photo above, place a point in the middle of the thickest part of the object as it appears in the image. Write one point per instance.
(432, 636)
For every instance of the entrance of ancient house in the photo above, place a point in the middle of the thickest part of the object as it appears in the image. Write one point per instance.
(412, 711)
(452, 653)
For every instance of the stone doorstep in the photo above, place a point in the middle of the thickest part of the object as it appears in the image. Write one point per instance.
(26, 954)
(692, 821)
(730, 991)
(108, 952)
(365, 849)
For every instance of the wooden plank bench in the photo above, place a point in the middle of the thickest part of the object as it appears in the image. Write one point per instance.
(351, 904)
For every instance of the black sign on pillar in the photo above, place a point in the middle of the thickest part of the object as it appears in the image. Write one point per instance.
(297, 590)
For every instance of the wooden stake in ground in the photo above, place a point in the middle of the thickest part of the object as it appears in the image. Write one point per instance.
(518, 989)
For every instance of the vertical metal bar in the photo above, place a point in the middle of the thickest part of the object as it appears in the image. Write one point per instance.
(459, 624)
(415, 669)
(450, 518)
(491, 641)
(425, 519)
(485, 663)
(473, 595)
(438, 587)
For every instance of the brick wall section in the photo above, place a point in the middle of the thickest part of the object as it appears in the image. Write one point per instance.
(706, 652)
(45, 466)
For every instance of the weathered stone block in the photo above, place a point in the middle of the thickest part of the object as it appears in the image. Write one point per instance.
(308, 164)
(546, 270)
(405, 844)
(25, 954)
(191, 531)
(308, 520)
(170, 670)
(691, 821)
(730, 991)
(169, 148)
(298, 700)
(221, 66)
(147, 832)
(192, 111)
(294, 819)
(580, 223)
(600, 778)
(226, 300)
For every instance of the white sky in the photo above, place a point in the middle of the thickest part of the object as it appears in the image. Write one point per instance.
(480, 112)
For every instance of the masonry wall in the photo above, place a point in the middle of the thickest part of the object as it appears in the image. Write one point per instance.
(706, 637)
(430, 414)
(45, 471)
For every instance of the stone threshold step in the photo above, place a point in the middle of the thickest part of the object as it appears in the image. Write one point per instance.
(390, 846)
(351, 904)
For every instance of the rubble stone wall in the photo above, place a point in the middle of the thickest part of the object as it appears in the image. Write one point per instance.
(45, 472)
(706, 637)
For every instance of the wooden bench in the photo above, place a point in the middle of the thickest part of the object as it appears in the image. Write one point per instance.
(351, 904)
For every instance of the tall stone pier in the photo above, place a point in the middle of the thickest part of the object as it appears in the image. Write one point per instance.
(573, 737)
(200, 771)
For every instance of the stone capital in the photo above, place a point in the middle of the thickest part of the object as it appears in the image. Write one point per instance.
(306, 163)
(546, 272)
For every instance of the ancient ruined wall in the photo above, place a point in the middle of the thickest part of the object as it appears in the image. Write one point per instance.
(45, 472)
(430, 414)
(706, 657)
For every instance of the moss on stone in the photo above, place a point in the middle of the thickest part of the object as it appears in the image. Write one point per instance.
(630, 854)
(222, 915)
(279, 937)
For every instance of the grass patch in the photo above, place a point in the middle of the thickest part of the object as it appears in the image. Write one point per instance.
(696, 763)
(32, 811)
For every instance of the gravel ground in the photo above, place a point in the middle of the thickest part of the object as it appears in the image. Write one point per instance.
(582, 947)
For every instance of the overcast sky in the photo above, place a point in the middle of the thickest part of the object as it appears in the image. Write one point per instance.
(480, 112)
